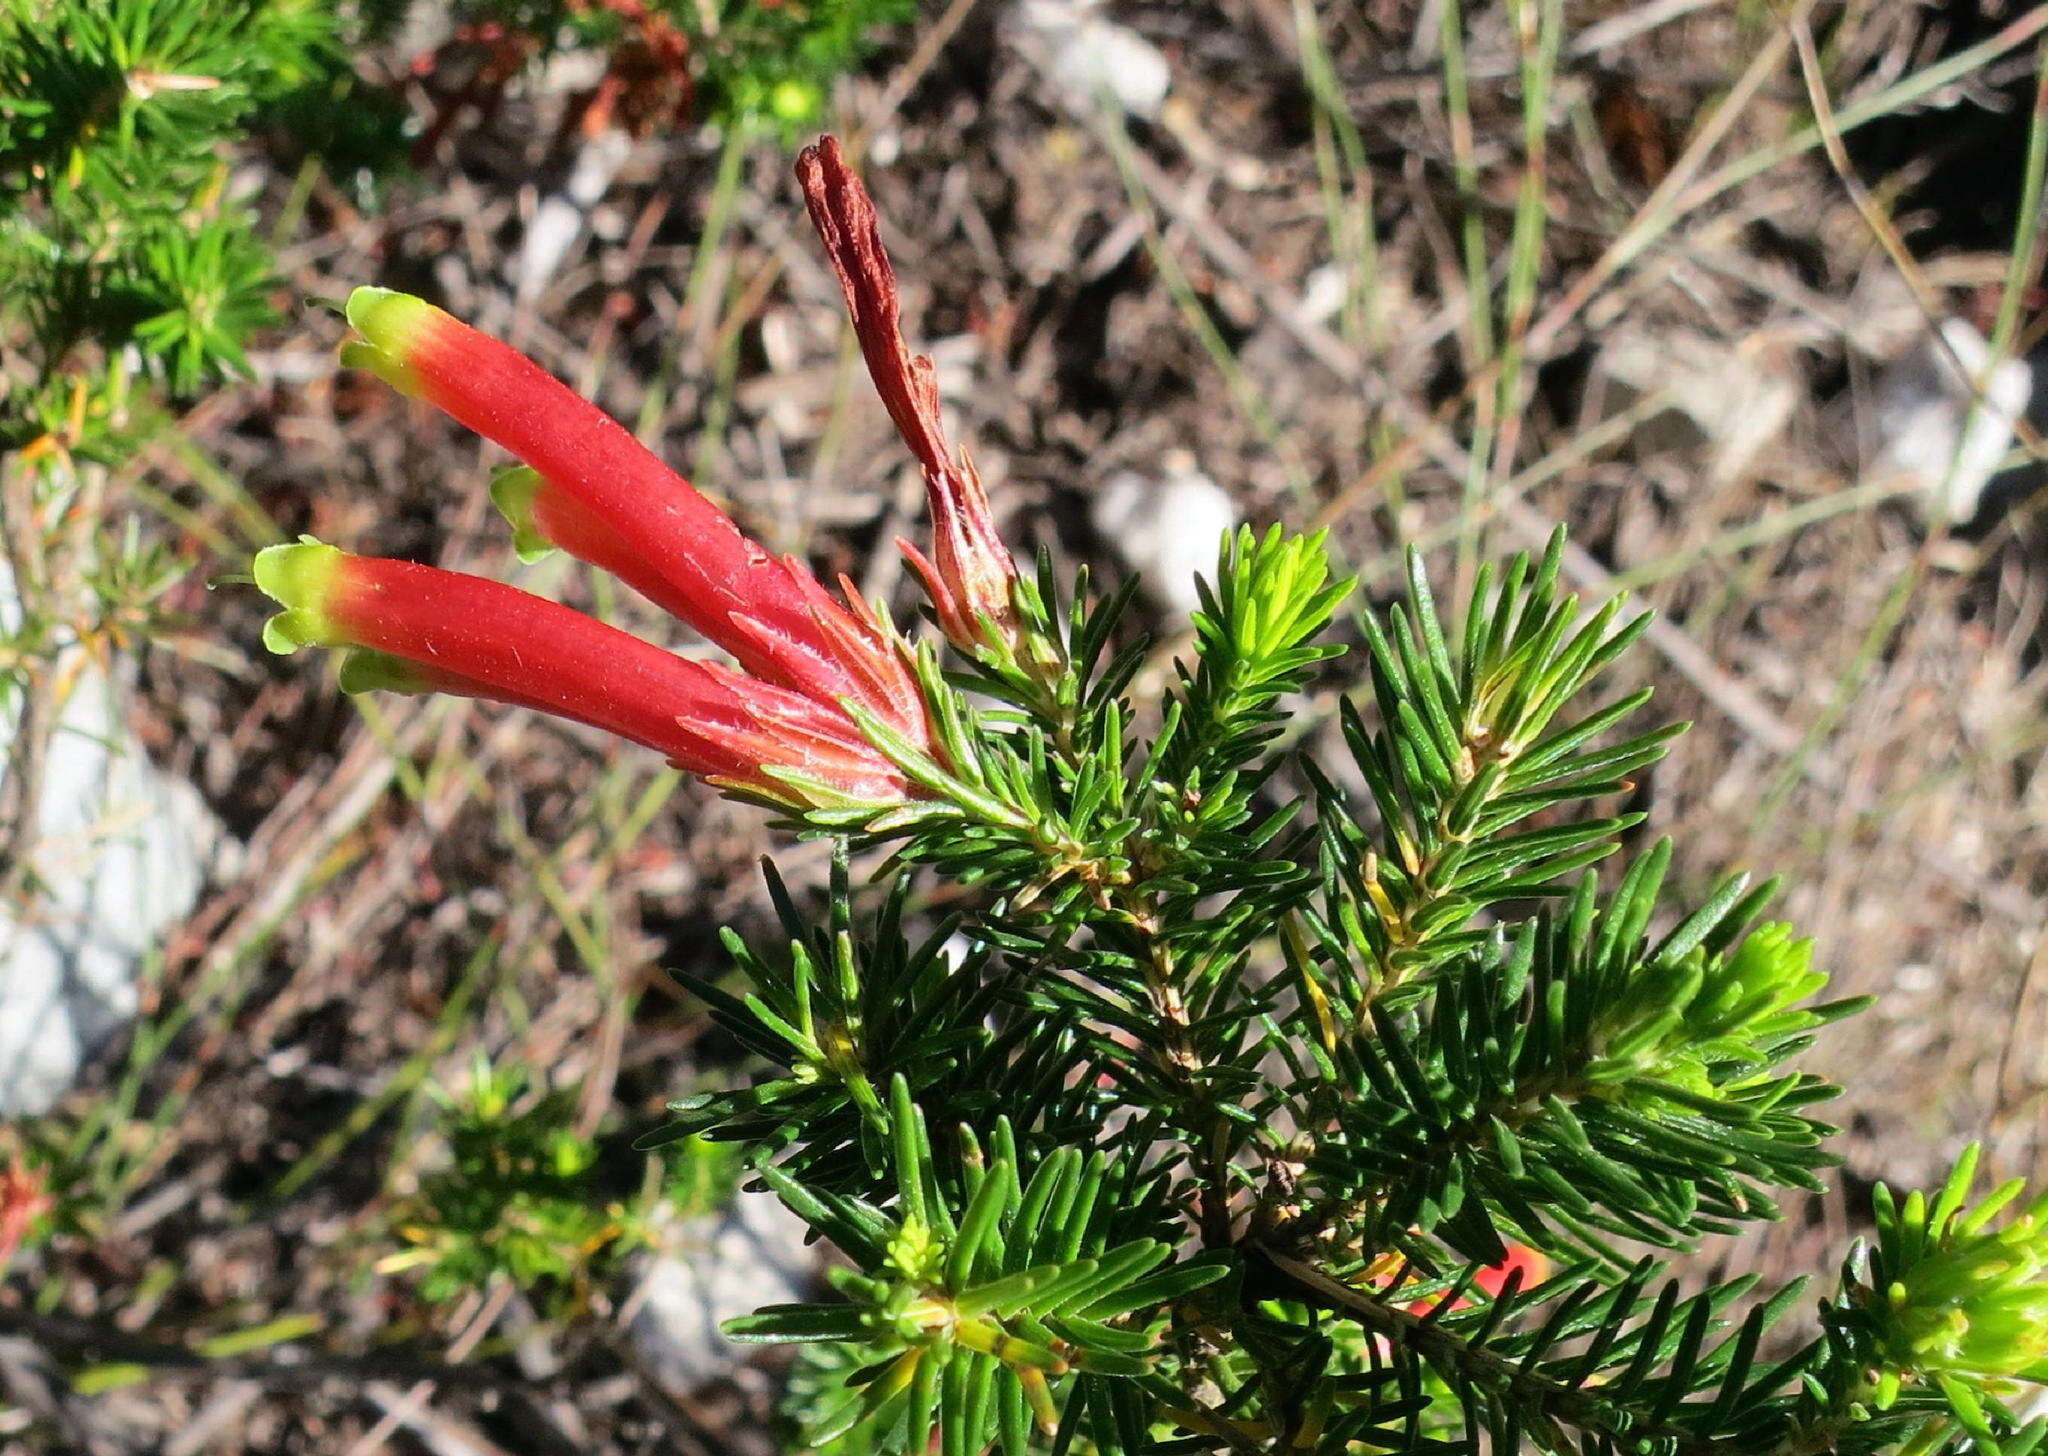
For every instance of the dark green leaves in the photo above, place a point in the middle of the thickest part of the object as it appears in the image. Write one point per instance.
(982, 1302)
(1271, 1091)
(850, 1004)
(1472, 743)
(1583, 1081)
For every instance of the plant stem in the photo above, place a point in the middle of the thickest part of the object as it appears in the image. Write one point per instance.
(1611, 1423)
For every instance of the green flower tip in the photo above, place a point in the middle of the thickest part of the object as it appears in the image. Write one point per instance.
(298, 577)
(512, 491)
(390, 320)
(393, 325)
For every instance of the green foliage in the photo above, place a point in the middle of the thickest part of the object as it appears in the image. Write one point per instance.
(517, 1198)
(114, 228)
(843, 1017)
(200, 295)
(825, 1376)
(703, 1176)
(1465, 753)
(118, 119)
(1253, 648)
(983, 1321)
(1648, 1069)
(1946, 1294)
(775, 63)
(122, 100)
(1262, 1065)
(747, 63)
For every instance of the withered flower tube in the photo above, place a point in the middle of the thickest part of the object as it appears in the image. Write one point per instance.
(970, 577)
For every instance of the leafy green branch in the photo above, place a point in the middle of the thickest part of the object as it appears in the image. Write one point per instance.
(980, 1301)
(1466, 752)
(1649, 1068)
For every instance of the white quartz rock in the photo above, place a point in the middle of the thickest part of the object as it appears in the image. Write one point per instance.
(1169, 528)
(1086, 57)
(559, 219)
(119, 852)
(1929, 425)
(710, 1271)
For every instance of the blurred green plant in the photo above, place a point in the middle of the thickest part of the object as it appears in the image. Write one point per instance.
(746, 65)
(514, 1199)
(775, 62)
(522, 1194)
(126, 250)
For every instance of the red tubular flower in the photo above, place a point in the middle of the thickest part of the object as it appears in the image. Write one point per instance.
(970, 578)
(601, 495)
(1529, 1263)
(1522, 1260)
(23, 1200)
(443, 631)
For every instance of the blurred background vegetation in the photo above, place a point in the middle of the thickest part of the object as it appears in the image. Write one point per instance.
(325, 1034)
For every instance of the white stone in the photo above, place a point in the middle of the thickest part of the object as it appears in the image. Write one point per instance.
(1322, 293)
(1169, 528)
(1087, 58)
(1727, 400)
(573, 70)
(120, 850)
(558, 220)
(1929, 426)
(710, 1271)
